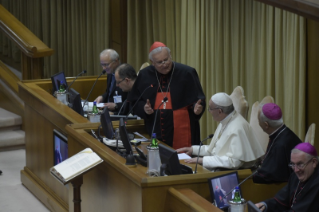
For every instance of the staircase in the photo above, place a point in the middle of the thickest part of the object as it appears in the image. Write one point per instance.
(11, 135)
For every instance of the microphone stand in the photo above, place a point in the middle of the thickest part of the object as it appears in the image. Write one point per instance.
(124, 103)
(137, 100)
(200, 145)
(241, 183)
(164, 100)
(83, 72)
(103, 72)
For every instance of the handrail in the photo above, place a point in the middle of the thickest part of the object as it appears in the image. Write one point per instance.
(32, 48)
(29, 43)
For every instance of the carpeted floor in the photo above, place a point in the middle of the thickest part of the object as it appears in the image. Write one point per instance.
(13, 195)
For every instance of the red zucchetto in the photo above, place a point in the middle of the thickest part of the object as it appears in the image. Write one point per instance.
(157, 44)
(272, 111)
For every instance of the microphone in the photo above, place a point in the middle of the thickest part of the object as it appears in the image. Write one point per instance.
(103, 72)
(83, 72)
(200, 145)
(124, 103)
(164, 100)
(241, 182)
(151, 86)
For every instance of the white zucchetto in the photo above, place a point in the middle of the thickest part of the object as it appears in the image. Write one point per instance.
(222, 99)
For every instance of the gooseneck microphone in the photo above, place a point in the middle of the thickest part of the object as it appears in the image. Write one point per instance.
(241, 182)
(200, 145)
(164, 100)
(124, 103)
(151, 86)
(83, 72)
(103, 72)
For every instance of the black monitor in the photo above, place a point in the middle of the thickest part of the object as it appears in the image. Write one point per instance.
(170, 161)
(75, 101)
(125, 138)
(56, 81)
(60, 148)
(106, 123)
(220, 185)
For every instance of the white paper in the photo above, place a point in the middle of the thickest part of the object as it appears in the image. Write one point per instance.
(183, 156)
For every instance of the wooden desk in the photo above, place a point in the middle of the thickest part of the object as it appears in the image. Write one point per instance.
(42, 114)
(112, 185)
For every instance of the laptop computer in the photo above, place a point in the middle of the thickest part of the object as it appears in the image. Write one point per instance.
(252, 207)
(221, 185)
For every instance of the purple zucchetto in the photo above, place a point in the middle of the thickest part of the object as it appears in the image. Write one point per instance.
(307, 148)
(272, 111)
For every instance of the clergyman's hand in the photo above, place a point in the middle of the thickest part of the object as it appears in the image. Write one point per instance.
(148, 108)
(198, 107)
(187, 150)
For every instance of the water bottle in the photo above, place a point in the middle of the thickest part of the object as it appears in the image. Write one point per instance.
(95, 110)
(237, 197)
(62, 88)
(154, 140)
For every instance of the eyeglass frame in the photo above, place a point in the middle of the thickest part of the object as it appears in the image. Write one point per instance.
(117, 83)
(209, 109)
(163, 62)
(107, 64)
(293, 166)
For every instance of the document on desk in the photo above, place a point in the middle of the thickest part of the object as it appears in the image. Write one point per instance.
(183, 156)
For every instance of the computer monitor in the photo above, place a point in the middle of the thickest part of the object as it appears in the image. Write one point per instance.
(60, 148)
(106, 123)
(221, 185)
(56, 81)
(125, 138)
(75, 101)
(170, 161)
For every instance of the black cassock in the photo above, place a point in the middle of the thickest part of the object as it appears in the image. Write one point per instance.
(177, 122)
(274, 167)
(306, 195)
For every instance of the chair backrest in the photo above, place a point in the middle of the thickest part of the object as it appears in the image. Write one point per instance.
(144, 65)
(310, 136)
(240, 103)
(261, 136)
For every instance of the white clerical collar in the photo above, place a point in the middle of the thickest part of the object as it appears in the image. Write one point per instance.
(227, 118)
(276, 129)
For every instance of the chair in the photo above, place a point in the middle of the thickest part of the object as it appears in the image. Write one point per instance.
(144, 65)
(310, 136)
(261, 136)
(239, 101)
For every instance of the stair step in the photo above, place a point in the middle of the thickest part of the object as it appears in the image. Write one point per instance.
(12, 138)
(8, 119)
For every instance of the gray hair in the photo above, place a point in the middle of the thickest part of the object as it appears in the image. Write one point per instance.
(113, 54)
(226, 109)
(272, 123)
(308, 156)
(157, 50)
(126, 71)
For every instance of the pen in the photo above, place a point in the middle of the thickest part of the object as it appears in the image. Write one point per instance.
(261, 206)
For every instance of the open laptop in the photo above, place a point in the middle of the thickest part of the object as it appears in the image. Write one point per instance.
(221, 185)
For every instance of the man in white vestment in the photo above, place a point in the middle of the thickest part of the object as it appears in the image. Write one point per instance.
(234, 144)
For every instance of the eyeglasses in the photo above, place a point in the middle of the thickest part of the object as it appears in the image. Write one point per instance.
(106, 64)
(210, 109)
(300, 165)
(120, 81)
(163, 62)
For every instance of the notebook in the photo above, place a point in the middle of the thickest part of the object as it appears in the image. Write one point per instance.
(221, 185)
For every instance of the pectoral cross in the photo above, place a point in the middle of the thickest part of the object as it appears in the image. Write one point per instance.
(164, 107)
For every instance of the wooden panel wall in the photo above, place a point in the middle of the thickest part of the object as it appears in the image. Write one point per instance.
(118, 36)
(313, 76)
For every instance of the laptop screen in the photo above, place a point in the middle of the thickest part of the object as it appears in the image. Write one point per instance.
(220, 186)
